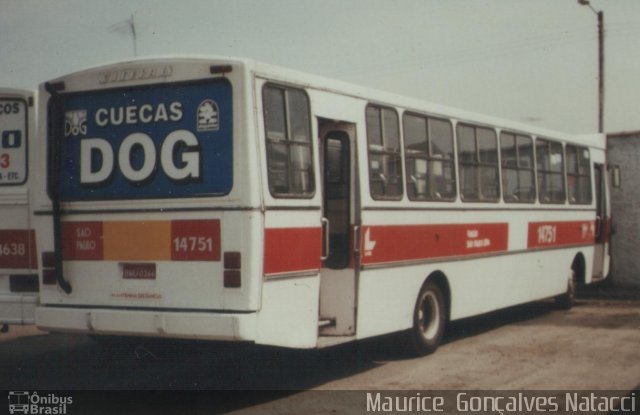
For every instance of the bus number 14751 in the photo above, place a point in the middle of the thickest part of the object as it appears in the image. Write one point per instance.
(193, 244)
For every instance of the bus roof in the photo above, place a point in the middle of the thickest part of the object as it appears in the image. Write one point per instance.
(15, 92)
(317, 82)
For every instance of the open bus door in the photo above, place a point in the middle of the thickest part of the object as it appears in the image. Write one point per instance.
(603, 224)
(338, 275)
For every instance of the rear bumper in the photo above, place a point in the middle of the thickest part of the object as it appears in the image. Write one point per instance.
(18, 308)
(171, 324)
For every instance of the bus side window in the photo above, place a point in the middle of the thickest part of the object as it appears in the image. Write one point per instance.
(578, 175)
(428, 150)
(288, 136)
(385, 166)
(518, 176)
(550, 165)
(478, 164)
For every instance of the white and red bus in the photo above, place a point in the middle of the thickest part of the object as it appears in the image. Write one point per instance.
(231, 200)
(18, 257)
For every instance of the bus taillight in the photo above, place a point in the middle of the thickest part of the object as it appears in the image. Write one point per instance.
(232, 274)
(48, 268)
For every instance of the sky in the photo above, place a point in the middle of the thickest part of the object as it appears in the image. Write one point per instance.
(533, 61)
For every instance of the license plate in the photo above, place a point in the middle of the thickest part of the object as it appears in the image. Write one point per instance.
(139, 271)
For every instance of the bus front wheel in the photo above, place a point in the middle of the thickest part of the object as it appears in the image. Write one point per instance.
(429, 317)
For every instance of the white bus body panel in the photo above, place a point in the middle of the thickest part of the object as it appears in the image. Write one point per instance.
(191, 325)
(289, 314)
(480, 284)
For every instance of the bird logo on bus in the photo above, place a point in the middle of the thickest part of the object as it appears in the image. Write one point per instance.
(369, 244)
(208, 116)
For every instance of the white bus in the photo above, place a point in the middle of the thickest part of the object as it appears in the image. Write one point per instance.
(18, 257)
(231, 200)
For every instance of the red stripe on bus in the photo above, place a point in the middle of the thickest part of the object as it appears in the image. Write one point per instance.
(18, 249)
(289, 250)
(387, 244)
(552, 234)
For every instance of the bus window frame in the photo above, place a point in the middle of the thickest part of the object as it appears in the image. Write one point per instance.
(563, 173)
(288, 142)
(385, 151)
(518, 168)
(478, 164)
(576, 175)
(429, 157)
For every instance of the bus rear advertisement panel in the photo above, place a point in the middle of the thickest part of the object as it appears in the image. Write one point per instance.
(164, 141)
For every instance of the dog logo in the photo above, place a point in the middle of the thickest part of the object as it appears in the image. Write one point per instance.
(75, 123)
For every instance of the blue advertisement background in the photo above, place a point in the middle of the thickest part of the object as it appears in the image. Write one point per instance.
(216, 157)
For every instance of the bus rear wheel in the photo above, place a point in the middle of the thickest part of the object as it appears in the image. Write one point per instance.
(565, 301)
(429, 318)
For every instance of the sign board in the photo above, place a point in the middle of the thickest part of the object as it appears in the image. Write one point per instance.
(13, 141)
(160, 141)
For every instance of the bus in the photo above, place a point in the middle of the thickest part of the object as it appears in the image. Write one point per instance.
(227, 199)
(19, 402)
(18, 257)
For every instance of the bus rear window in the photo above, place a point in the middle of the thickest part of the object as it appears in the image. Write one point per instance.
(161, 141)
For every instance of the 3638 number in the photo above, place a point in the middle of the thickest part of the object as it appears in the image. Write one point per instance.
(13, 249)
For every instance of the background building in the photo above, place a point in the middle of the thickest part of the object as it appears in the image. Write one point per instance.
(624, 150)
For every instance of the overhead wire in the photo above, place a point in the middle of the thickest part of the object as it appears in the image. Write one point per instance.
(484, 52)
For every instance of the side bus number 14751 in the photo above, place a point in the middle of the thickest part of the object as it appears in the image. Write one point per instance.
(547, 234)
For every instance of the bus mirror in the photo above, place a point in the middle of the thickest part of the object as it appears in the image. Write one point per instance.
(615, 177)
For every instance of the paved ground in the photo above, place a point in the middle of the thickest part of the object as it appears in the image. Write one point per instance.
(593, 346)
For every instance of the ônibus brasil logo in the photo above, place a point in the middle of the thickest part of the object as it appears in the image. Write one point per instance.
(32, 403)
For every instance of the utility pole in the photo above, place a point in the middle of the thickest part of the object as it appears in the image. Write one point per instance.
(600, 71)
(600, 16)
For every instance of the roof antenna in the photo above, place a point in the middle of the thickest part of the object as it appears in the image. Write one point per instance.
(127, 28)
(132, 22)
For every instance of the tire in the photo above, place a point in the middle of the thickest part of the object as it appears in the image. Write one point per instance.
(567, 300)
(429, 320)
